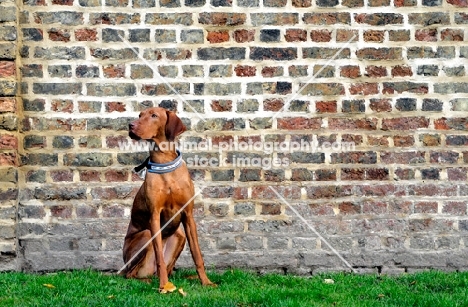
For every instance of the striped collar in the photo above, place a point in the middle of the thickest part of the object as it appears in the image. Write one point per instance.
(164, 168)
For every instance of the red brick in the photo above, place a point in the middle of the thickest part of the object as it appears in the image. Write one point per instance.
(454, 208)
(426, 35)
(8, 141)
(326, 106)
(264, 192)
(409, 157)
(86, 211)
(350, 71)
(7, 104)
(272, 71)
(8, 159)
(221, 105)
(273, 104)
(441, 124)
(364, 89)
(377, 174)
(296, 35)
(432, 190)
(114, 71)
(113, 141)
(59, 35)
(215, 37)
(89, 175)
(116, 175)
(86, 35)
(400, 207)
(352, 124)
(217, 139)
(115, 106)
(245, 71)
(7, 69)
(64, 212)
(62, 106)
(378, 141)
(63, 2)
(320, 35)
(380, 105)
(374, 36)
(404, 174)
(373, 71)
(240, 193)
(352, 174)
(459, 3)
(405, 123)
(352, 138)
(271, 209)
(115, 211)
(61, 176)
(244, 36)
(452, 35)
(349, 208)
(325, 175)
(425, 207)
(299, 123)
(401, 71)
(346, 35)
(457, 174)
(403, 140)
(301, 3)
(374, 207)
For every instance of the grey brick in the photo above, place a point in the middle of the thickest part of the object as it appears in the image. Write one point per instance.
(32, 34)
(218, 71)
(83, 71)
(112, 35)
(165, 36)
(60, 17)
(144, 3)
(8, 33)
(114, 54)
(60, 53)
(88, 159)
(247, 106)
(109, 89)
(218, 53)
(8, 88)
(192, 36)
(7, 51)
(139, 35)
(184, 19)
(57, 88)
(60, 71)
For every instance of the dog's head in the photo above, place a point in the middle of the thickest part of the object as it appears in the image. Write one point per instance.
(156, 124)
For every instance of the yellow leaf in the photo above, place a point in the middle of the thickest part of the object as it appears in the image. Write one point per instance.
(168, 288)
(111, 296)
(181, 291)
(329, 281)
(50, 286)
(381, 295)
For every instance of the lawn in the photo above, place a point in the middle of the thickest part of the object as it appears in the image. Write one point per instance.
(235, 288)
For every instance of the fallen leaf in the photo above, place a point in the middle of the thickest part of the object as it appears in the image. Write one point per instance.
(328, 281)
(168, 288)
(191, 277)
(111, 296)
(181, 291)
(413, 282)
(50, 286)
(381, 295)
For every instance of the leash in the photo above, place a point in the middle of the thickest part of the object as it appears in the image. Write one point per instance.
(158, 168)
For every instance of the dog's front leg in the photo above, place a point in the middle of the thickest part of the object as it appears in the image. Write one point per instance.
(192, 238)
(158, 249)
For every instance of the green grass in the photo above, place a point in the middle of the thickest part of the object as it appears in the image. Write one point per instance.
(235, 288)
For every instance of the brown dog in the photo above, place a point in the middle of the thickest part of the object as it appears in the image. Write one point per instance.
(160, 197)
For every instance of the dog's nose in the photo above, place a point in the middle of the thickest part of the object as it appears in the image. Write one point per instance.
(131, 125)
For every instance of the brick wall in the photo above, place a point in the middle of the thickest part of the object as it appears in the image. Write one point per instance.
(8, 135)
(390, 77)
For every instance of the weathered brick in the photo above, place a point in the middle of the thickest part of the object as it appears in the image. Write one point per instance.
(262, 19)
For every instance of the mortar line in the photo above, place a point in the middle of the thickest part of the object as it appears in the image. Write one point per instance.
(160, 230)
(313, 77)
(127, 43)
(313, 229)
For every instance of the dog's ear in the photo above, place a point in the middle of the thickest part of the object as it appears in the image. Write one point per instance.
(174, 126)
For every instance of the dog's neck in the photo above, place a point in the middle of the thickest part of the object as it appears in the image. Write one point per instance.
(163, 154)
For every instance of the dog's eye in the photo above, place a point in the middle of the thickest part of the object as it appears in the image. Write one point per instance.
(154, 115)
(139, 116)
